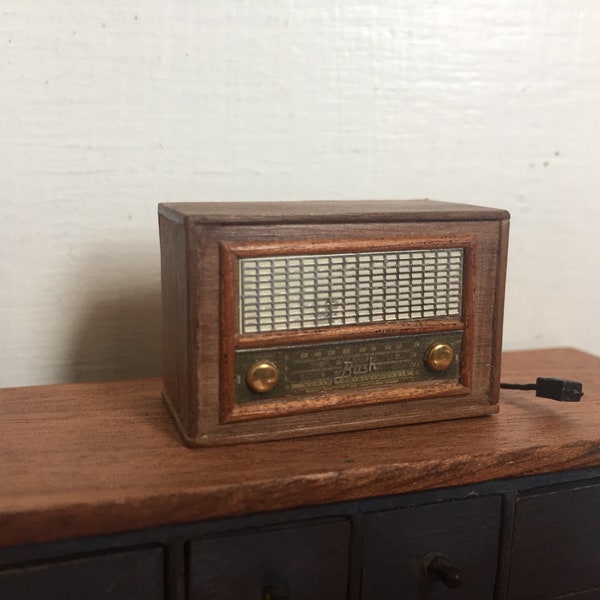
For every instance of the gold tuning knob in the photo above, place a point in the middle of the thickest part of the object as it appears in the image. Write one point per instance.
(262, 376)
(439, 357)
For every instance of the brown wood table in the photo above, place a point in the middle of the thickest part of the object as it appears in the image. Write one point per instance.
(103, 462)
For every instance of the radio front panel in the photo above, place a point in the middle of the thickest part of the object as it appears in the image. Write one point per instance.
(283, 304)
(293, 319)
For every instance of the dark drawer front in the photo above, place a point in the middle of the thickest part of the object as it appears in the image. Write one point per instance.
(587, 595)
(304, 563)
(459, 535)
(556, 544)
(136, 575)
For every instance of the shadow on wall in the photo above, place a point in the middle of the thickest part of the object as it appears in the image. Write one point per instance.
(117, 328)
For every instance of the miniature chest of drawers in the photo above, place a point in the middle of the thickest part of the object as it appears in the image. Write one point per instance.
(100, 500)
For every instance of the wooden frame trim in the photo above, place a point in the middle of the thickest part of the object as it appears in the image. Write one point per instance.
(318, 335)
(250, 249)
(230, 339)
(351, 397)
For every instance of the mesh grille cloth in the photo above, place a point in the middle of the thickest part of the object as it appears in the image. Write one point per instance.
(281, 293)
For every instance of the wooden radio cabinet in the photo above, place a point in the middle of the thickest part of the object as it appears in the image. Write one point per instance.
(301, 318)
(99, 499)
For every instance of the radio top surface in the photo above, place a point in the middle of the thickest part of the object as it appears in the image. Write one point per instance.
(336, 211)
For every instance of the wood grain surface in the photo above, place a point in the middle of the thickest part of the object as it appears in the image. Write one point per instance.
(83, 459)
(336, 211)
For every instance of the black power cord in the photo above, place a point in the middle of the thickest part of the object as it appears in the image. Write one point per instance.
(562, 390)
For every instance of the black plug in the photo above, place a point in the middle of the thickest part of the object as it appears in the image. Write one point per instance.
(562, 390)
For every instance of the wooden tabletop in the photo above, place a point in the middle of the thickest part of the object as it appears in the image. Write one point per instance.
(93, 458)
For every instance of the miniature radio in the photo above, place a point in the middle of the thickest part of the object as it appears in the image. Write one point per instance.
(299, 318)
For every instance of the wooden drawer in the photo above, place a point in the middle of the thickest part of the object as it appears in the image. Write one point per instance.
(556, 547)
(135, 575)
(304, 562)
(397, 543)
(587, 595)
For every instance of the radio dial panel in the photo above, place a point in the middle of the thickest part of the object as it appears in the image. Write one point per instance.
(318, 369)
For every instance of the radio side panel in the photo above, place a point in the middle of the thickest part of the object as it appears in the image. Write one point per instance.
(497, 327)
(178, 369)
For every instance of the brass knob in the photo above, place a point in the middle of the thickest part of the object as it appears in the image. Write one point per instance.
(262, 376)
(439, 357)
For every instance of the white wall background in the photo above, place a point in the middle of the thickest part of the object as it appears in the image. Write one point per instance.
(107, 108)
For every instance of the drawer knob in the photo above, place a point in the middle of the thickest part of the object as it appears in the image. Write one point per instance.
(438, 567)
(276, 592)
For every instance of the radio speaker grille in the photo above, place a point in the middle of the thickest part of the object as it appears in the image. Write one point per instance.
(282, 293)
